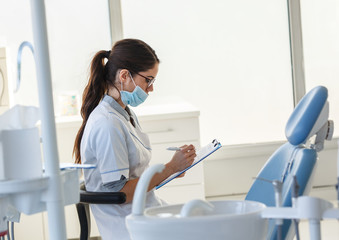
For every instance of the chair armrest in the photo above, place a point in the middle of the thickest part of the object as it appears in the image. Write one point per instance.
(102, 197)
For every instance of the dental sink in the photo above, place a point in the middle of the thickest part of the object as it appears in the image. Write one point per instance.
(225, 220)
(196, 219)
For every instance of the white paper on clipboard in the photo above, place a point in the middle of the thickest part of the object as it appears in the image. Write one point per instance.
(201, 155)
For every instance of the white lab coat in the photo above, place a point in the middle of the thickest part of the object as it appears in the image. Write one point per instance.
(117, 148)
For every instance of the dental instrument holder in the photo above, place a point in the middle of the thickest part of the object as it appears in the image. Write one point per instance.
(278, 203)
(305, 207)
(277, 185)
(310, 208)
(294, 193)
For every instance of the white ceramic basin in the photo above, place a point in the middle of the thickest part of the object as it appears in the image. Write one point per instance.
(229, 220)
(197, 220)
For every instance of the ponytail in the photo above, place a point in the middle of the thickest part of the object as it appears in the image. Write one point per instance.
(94, 91)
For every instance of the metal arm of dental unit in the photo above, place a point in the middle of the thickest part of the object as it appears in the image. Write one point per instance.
(21, 48)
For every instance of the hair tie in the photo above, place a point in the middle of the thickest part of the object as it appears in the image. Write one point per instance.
(108, 53)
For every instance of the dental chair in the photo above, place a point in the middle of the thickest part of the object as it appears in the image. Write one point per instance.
(87, 198)
(306, 130)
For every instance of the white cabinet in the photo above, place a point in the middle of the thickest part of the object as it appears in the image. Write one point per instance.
(171, 125)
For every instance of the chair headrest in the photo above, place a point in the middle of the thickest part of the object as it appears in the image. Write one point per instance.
(308, 117)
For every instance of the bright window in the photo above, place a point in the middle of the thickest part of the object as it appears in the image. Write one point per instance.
(320, 21)
(77, 29)
(231, 59)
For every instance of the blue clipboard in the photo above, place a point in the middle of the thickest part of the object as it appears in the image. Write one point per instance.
(201, 155)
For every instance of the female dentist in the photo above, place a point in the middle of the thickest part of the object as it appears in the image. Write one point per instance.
(110, 135)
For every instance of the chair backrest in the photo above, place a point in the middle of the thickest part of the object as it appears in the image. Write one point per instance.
(87, 198)
(294, 158)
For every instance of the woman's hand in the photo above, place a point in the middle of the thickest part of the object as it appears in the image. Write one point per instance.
(182, 159)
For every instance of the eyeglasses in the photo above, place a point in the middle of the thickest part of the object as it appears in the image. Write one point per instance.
(150, 79)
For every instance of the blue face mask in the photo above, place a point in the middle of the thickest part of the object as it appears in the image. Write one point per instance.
(134, 98)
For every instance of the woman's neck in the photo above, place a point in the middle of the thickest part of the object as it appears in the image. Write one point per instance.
(115, 94)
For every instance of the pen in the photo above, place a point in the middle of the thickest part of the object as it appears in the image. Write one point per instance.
(173, 148)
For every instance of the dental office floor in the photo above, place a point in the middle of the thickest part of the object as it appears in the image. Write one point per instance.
(329, 228)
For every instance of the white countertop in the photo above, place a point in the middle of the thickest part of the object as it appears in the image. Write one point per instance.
(169, 107)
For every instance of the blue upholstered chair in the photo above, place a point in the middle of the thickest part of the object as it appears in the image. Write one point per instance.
(306, 130)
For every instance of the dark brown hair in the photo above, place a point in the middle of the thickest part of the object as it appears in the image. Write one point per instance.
(132, 54)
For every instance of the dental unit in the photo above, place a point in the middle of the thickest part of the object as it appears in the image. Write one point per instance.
(277, 196)
(31, 190)
(197, 219)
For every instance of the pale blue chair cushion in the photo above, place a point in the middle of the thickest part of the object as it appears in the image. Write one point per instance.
(305, 115)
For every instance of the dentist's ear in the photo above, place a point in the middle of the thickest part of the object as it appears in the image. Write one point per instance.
(124, 75)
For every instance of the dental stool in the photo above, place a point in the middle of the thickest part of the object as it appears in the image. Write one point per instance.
(87, 198)
(295, 159)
